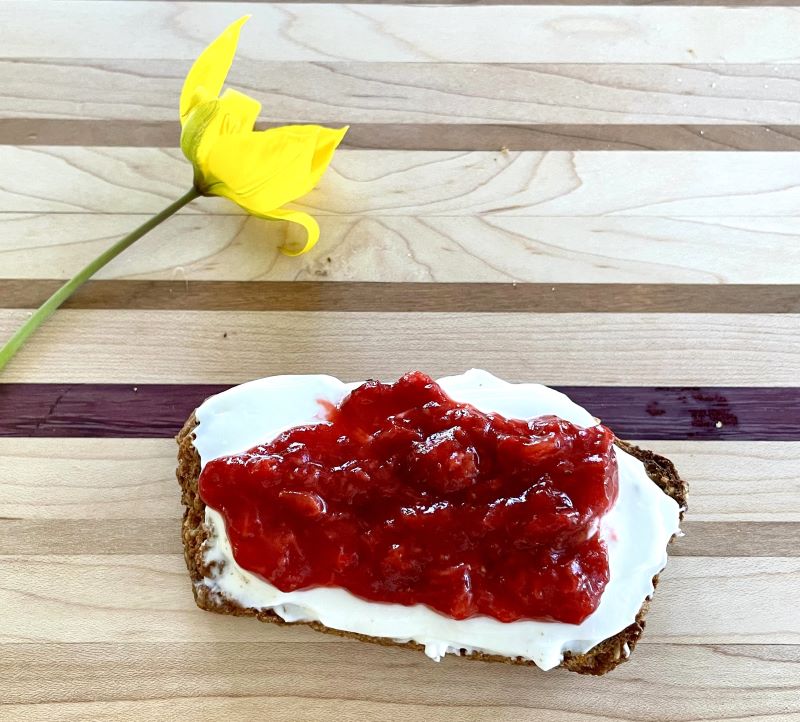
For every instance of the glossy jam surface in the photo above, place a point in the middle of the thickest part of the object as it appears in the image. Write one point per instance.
(404, 495)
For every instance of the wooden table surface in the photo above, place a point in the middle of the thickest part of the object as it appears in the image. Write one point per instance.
(602, 198)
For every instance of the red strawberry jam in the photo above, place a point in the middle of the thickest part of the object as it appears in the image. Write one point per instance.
(404, 495)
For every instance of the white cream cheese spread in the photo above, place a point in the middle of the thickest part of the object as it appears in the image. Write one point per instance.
(636, 530)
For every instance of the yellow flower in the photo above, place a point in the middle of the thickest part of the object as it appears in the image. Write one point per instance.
(259, 170)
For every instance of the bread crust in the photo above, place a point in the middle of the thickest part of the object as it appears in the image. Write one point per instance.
(602, 658)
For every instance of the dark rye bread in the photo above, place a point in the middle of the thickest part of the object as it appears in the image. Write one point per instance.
(600, 659)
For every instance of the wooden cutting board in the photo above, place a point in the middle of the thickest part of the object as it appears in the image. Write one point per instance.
(557, 193)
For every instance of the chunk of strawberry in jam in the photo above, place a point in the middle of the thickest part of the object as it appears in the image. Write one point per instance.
(406, 496)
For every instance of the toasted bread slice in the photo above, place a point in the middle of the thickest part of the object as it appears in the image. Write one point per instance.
(600, 659)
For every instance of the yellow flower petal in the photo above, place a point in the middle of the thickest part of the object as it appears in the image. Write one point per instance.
(327, 142)
(203, 116)
(308, 222)
(262, 171)
(241, 112)
(233, 113)
(211, 68)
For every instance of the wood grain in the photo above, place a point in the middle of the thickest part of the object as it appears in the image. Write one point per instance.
(556, 349)
(391, 33)
(140, 93)
(737, 482)
(740, 539)
(410, 297)
(48, 597)
(159, 536)
(88, 479)
(304, 709)
(611, 249)
(428, 183)
(431, 136)
(121, 479)
(274, 680)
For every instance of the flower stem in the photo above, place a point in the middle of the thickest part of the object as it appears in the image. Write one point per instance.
(62, 294)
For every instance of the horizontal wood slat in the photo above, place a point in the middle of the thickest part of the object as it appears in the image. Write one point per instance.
(426, 183)
(117, 479)
(270, 677)
(225, 347)
(409, 297)
(137, 94)
(96, 479)
(431, 136)
(516, 33)
(618, 249)
(47, 598)
(159, 410)
(161, 536)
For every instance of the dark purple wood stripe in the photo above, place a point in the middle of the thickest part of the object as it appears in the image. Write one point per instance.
(432, 136)
(635, 412)
(411, 297)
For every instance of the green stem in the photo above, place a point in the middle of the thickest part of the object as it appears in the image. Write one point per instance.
(62, 294)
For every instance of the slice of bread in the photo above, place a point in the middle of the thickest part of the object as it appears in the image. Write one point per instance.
(600, 659)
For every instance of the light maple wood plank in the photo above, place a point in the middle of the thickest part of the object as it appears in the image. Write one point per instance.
(147, 598)
(160, 536)
(335, 708)
(557, 349)
(88, 479)
(742, 480)
(426, 183)
(327, 682)
(387, 33)
(430, 92)
(741, 590)
(116, 479)
(611, 249)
